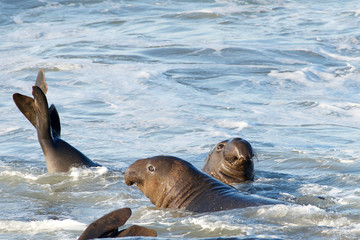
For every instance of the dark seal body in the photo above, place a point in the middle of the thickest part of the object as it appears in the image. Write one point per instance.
(60, 156)
(170, 182)
(231, 161)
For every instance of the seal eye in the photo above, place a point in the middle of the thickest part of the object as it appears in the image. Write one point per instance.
(220, 146)
(151, 168)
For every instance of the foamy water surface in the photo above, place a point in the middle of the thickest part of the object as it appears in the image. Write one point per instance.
(133, 79)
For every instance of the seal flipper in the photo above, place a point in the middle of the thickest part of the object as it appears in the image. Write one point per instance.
(26, 106)
(108, 223)
(136, 230)
(54, 121)
(40, 81)
(42, 114)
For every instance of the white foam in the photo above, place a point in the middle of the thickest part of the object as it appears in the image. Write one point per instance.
(27, 176)
(211, 224)
(317, 189)
(346, 160)
(18, 20)
(339, 57)
(78, 173)
(357, 13)
(143, 74)
(237, 125)
(6, 131)
(295, 76)
(351, 199)
(34, 227)
(302, 215)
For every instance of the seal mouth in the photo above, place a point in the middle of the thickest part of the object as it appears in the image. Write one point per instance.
(133, 180)
(131, 177)
(231, 171)
(129, 182)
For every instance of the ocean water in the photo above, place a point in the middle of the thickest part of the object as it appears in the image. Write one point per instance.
(134, 79)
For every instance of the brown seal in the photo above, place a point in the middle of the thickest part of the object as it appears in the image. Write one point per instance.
(171, 182)
(107, 227)
(231, 161)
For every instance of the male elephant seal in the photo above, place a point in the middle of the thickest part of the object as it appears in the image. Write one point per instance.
(231, 161)
(107, 227)
(60, 156)
(171, 182)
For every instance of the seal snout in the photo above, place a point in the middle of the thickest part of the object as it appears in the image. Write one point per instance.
(134, 172)
(129, 182)
(238, 151)
(131, 177)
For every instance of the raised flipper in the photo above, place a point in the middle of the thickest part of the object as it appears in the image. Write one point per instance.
(26, 106)
(107, 227)
(55, 121)
(106, 224)
(60, 156)
(42, 113)
(40, 81)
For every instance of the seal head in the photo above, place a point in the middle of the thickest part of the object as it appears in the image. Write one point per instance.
(231, 161)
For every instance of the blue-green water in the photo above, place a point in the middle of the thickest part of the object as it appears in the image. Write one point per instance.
(133, 79)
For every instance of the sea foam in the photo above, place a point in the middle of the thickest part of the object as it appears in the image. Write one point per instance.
(34, 227)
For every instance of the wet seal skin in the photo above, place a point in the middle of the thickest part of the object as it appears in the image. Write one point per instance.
(170, 182)
(231, 161)
(107, 227)
(59, 155)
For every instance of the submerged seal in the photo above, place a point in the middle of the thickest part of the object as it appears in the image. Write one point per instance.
(171, 182)
(59, 155)
(231, 161)
(107, 227)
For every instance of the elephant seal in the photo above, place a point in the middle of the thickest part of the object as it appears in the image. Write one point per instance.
(60, 156)
(107, 227)
(231, 161)
(170, 182)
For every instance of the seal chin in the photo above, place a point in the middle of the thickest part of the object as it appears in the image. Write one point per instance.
(231, 178)
(232, 173)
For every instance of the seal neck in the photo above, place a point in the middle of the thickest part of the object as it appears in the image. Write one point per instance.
(184, 196)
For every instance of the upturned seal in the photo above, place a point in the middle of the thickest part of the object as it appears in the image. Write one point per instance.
(60, 156)
(170, 182)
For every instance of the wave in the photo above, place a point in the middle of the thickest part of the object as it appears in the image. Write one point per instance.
(34, 227)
